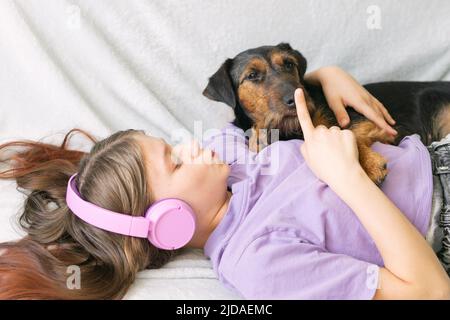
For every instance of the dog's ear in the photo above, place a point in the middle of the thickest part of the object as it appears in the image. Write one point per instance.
(220, 87)
(301, 61)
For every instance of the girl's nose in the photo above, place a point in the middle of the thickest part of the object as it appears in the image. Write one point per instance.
(187, 151)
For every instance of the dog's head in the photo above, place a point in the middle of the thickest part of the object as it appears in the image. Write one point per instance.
(259, 85)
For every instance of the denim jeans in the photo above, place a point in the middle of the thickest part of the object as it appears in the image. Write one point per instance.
(439, 231)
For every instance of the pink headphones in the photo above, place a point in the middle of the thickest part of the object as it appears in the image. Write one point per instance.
(168, 224)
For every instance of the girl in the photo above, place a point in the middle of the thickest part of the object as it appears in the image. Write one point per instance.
(313, 226)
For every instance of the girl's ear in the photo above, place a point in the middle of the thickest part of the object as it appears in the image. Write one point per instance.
(220, 87)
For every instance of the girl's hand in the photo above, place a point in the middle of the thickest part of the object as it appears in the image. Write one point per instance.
(342, 90)
(332, 154)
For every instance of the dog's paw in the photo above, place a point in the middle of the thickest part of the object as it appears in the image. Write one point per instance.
(376, 168)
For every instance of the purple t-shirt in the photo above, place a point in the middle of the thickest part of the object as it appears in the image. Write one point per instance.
(287, 235)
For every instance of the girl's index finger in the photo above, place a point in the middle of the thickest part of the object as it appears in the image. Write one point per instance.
(303, 113)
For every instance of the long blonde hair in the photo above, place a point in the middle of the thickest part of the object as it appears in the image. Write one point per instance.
(113, 176)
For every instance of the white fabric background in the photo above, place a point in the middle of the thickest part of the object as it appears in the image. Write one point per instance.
(108, 65)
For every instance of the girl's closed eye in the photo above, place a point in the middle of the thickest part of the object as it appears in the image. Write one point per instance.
(178, 162)
(175, 159)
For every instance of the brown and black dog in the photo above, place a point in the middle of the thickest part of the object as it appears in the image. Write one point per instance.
(259, 85)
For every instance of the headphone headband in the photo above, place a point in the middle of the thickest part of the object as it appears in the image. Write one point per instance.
(168, 224)
(108, 220)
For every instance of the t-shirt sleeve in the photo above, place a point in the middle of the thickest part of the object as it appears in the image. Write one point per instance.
(285, 267)
(231, 145)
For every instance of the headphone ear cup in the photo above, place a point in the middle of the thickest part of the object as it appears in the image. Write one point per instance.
(172, 223)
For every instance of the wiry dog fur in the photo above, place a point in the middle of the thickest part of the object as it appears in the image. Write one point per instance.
(259, 85)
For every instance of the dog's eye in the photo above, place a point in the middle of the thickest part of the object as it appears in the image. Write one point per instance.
(252, 76)
(289, 65)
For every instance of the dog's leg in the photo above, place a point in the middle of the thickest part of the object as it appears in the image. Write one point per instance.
(261, 136)
(366, 133)
(258, 139)
(441, 125)
(374, 164)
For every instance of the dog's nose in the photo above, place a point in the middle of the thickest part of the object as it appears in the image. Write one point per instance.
(289, 101)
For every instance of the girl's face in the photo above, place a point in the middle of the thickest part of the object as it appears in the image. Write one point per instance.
(187, 172)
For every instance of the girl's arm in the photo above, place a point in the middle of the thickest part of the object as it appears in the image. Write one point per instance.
(412, 270)
(342, 90)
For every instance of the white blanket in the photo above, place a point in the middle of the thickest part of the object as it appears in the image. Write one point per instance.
(108, 65)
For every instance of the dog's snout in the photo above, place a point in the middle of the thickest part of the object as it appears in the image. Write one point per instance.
(289, 101)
